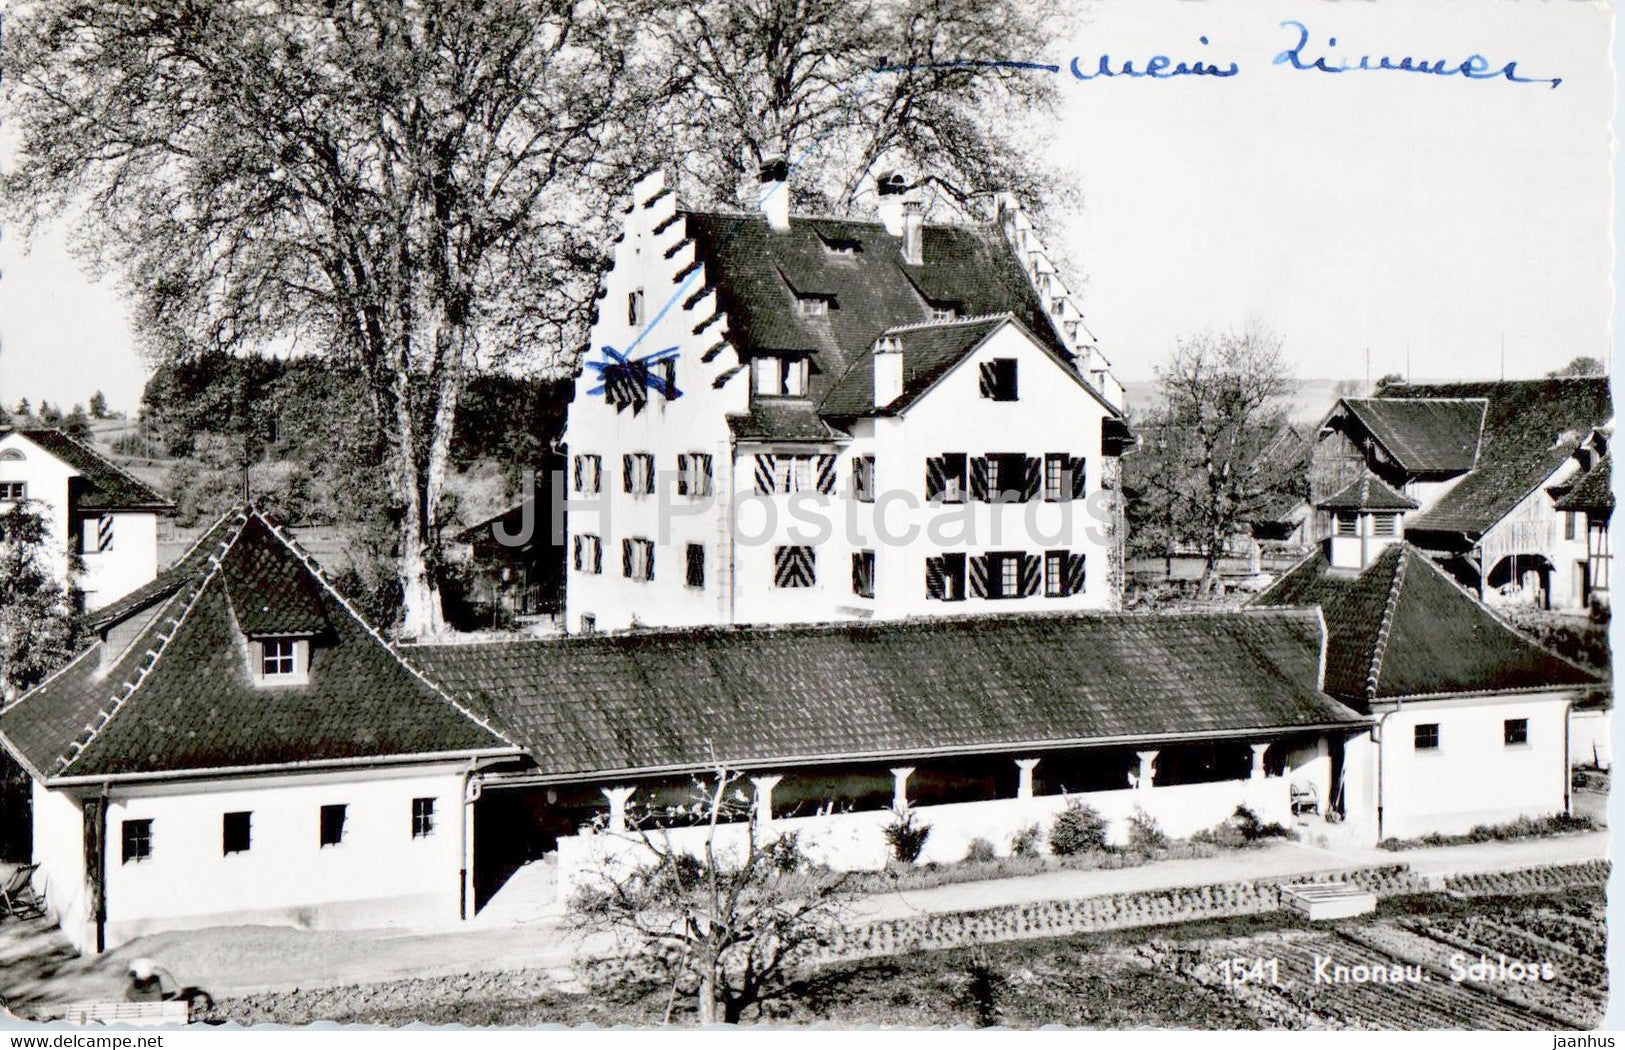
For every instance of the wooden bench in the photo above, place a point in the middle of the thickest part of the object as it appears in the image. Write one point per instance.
(138, 1015)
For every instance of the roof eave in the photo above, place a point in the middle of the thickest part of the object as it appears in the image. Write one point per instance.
(316, 765)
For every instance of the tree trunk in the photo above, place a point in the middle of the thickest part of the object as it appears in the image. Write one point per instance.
(708, 996)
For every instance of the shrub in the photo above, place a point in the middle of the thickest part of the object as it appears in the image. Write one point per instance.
(1026, 841)
(1077, 829)
(1145, 835)
(906, 836)
(1522, 828)
(1252, 829)
(980, 851)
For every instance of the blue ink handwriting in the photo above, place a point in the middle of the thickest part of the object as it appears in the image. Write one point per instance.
(1473, 67)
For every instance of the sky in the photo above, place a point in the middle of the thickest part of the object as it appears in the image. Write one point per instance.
(1423, 218)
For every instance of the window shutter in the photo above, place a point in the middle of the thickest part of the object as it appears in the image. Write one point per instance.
(580, 465)
(1079, 468)
(597, 555)
(936, 478)
(826, 475)
(764, 474)
(978, 478)
(626, 472)
(577, 545)
(1074, 574)
(933, 578)
(1032, 573)
(978, 575)
(648, 559)
(990, 378)
(793, 567)
(1032, 479)
(626, 558)
(682, 473)
(704, 480)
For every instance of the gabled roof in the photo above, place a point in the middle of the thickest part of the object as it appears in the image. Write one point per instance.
(758, 271)
(1402, 628)
(185, 568)
(756, 697)
(103, 484)
(1593, 492)
(179, 698)
(1368, 492)
(783, 419)
(1530, 428)
(1434, 436)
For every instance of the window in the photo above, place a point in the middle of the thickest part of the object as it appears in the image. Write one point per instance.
(137, 840)
(1427, 736)
(693, 474)
(812, 305)
(863, 479)
(945, 578)
(236, 833)
(1385, 524)
(638, 473)
(589, 554)
(1515, 731)
(1055, 574)
(332, 829)
(638, 559)
(795, 473)
(13, 490)
(794, 567)
(589, 623)
(863, 574)
(999, 379)
(1057, 477)
(589, 474)
(1348, 523)
(945, 477)
(1007, 477)
(696, 565)
(279, 658)
(779, 375)
(634, 308)
(422, 818)
(1008, 579)
(1568, 524)
(944, 311)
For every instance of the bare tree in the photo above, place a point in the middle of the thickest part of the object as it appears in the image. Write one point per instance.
(732, 925)
(842, 88)
(1198, 472)
(412, 186)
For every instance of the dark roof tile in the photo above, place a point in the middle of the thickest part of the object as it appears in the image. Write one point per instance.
(105, 485)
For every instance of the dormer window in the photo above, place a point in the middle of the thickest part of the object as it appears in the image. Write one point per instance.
(281, 661)
(812, 305)
(779, 376)
(944, 311)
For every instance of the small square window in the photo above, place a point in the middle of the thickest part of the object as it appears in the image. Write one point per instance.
(812, 305)
(333, 824)
(1427, 736)
(137, 840)
(589, 623)
(13, 490)
(279, 658)
(1515, 731)
(236, 833)
(422, 818)
(696, 565)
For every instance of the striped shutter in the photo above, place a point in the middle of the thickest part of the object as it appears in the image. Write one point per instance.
(1079, 469)
(104, 532)
(978, 567)
(826, 474)
(933, 578)
(703, 481)
(577, 546)
(597, 555)
(580, 463)
(764, 474)
(683, 461)
(626, 472)
(1032, 479)
(1032, 574)
(936, 478)
(626, 558)
(978, 478)
(648, 559)
(990, 380)
(1074, 574)
(793, 567)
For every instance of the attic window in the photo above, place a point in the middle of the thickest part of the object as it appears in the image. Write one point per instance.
(281, 661)
(779, 375)
(812, 305)
(846, 248)
(945, 311)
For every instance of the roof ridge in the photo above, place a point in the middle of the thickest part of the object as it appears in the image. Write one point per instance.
(311, 566)
(743, 212)
(118, 703)
(1386, 625)
(1005, 315)
(93, 451)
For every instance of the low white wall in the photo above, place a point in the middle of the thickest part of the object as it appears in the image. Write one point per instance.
(856, 841)
(1591, 738)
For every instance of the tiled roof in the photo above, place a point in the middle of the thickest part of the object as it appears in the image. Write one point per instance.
(786, 419)
(172, 579)
(104, 485)
(1530, 428)
(647, 702)
(180, 697)
(1402, 628)
(1593, 491)
(1425, 436)
(757, 272)
(1368, 492)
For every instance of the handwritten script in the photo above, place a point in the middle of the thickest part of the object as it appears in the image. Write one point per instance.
(1303, 54)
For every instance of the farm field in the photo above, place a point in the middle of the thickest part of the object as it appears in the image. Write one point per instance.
(1249, 972)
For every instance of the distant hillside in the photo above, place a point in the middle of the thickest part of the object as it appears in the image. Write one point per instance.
(1312, 401)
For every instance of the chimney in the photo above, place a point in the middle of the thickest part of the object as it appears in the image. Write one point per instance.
(773, 184)
(888, 370)
(890, 187)
(913, 233)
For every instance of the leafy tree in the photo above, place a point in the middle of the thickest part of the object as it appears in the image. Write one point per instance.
(1389, 379)
(1197, 473)
(36, 626)
(24, 409)
(76, 424)
(844, 89)
(1580, 366)
(731, 926)
(49, 414)
(98, 405)
(408, 188)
